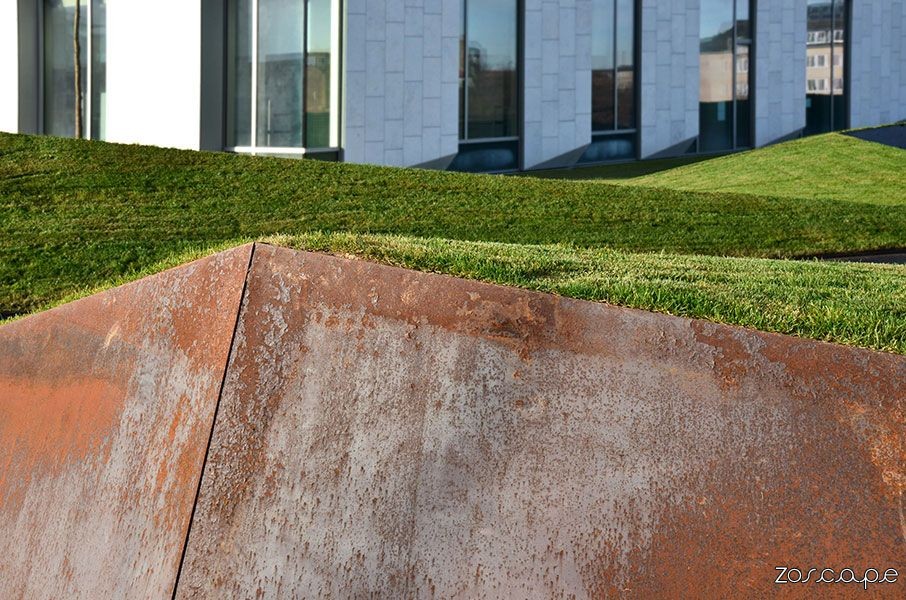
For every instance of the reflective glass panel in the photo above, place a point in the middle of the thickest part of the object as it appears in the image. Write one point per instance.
(98, 69)
(825, 91)
(317, 74)
(61, 86)
(626, 64)
(604, 148)
(239, 74)
(602, 65)
(743, 104)
(839, 60)
(280, 73)
(819, 61)
(490, 94)
(743, 21)
(717, 66)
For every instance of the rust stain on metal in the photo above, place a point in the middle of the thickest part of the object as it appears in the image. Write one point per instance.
(397, 434)
(387, 433)
(106, 405)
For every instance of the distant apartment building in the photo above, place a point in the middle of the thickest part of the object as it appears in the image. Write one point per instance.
(471, 85)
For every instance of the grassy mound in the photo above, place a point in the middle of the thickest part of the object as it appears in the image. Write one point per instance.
(824, 167)
(76, 216)
(856, 304)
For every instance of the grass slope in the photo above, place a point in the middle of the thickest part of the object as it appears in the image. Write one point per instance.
(857, 304)
(76, 216)
(824, 167)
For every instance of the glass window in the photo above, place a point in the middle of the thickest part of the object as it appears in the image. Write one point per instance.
(625, 64)
(75, 73)
(725, 113)
(825, 98)
(318, 70)
(282, 74)
(613, 105)
(489, 71)
(613, 65)
(98, 69)
(239, 74)
(280, 64)
(603, 46)
(488, 87)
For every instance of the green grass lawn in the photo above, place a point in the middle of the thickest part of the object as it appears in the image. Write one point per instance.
(857, 304)
(825, 167)
(620, 171)
(76, 216)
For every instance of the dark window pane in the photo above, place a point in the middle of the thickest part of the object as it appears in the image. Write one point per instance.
(487, 156)
(280, 71)
(717, 66)
(59, 66)
(98, 69)
(602, 65)
(317, 74)
(626, 64)
(716, 120)
(239, 75)
(743, 21)
(825, 66)
(838, 82)
(605, 148)
(743, 105)
(491, 30)
(463, 109)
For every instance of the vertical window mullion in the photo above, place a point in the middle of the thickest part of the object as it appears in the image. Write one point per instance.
(86, 89)
(465, 72)
(616, 65)
(733, 66)
(336, 24)
(304, 106)
(254, 79)
(830, 87)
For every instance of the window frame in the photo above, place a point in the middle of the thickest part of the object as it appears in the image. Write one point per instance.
(332, 152)
(465, 143)
(751, 58)
(840, 69)
(616, 129)
(87, 91)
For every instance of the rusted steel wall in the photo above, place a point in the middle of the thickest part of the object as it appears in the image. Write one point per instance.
(106, 408)
(385, 433)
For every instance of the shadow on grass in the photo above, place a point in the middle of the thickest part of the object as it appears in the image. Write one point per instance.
(625, 170)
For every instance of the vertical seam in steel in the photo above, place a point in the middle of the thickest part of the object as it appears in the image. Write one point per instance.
(204, 464)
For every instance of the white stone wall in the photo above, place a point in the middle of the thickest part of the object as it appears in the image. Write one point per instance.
(9, 67)
(402, 81)
(557, 81)
(780, 52)
(878, 85)
(154, 73)
(669, 75)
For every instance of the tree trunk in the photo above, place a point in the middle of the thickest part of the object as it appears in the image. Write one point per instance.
(77, 55)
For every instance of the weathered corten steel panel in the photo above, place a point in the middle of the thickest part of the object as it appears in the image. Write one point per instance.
(385, 433)
(106, 408)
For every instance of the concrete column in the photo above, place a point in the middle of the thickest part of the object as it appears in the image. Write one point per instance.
(670, 77)
(779, 69)
(878, 54)
(154, 73)
(402, 82)
(556, 81)
(9, 67)
(20, 71)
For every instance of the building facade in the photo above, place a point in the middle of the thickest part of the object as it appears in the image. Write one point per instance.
(471, 85)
